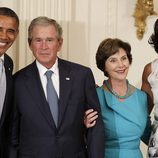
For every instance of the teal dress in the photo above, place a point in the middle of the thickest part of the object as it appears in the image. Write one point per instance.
(125, 122)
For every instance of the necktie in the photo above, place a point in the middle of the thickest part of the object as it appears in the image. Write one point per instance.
(1, 68)
(2, 85)
(52, 97)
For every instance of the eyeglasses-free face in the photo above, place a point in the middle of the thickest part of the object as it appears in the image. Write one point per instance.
(8, 32)
(45, 45)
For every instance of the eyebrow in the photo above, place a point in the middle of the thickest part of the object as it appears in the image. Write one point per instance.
(11, 29)
(111, 57)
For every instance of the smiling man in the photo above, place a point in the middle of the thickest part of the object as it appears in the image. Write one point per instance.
(9, 23)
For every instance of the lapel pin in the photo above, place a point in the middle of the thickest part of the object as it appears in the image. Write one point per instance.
(67, 78)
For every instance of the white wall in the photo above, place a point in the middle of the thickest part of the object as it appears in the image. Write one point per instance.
(118, 22)
(86, 23)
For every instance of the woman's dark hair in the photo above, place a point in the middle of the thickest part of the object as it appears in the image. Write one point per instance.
(153, 40)
(109, 47)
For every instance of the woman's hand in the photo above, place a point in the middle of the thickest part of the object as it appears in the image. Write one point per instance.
(90, 118)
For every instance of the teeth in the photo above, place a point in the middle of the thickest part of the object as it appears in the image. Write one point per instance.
(2, 44)
(121, 71)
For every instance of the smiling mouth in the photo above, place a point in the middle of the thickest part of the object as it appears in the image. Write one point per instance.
(121, 71)
(44, 54)
(3, 43)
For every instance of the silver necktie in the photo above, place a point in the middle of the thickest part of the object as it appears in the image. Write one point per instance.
(1, 68)
(52, 97)
(2, 85)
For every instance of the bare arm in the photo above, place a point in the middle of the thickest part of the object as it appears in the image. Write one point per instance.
(146, 86)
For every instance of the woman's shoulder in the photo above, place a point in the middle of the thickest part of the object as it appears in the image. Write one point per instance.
(147, 68)
(100, 91)
(146, 72)
(140, 92)
(99, 88)
(141, 97)
(151, 66)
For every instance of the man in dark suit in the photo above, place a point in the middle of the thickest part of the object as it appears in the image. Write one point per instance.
(36, 133)
(9, 23)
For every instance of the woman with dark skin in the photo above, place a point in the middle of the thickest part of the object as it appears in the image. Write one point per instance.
(150, 86)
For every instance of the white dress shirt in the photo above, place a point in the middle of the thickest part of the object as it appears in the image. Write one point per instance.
(55, 76)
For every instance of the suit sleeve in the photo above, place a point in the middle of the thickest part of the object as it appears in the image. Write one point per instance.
(13, 152)
(95, 135)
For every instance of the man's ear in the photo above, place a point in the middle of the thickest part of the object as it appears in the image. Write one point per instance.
(29, 41)
(17, 32)
(60, 41)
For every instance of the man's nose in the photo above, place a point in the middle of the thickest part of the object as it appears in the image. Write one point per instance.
(44, 45)
(3, 35)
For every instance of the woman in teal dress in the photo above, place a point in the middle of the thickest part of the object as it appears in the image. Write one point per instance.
(123, 106)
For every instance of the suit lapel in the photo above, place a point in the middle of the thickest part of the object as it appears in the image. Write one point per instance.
(65, 88)
(36, 90)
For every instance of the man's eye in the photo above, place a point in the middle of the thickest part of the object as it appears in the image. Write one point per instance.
(38, 40)
(50, 40)
(11, 31)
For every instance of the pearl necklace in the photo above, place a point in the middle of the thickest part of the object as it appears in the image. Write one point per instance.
(114, 93)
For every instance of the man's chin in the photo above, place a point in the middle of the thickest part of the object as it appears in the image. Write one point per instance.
(2, 52)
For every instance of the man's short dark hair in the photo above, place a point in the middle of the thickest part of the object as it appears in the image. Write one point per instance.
(10, 13)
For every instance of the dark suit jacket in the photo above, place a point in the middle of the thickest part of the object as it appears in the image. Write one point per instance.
(5, 118)
(34, 130)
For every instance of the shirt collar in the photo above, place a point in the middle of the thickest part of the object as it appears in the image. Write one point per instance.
(43, 69)
(2, 57)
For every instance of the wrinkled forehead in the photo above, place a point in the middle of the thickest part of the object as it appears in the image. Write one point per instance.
(44, 32)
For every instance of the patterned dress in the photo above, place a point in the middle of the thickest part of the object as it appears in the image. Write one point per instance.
(153, 80)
